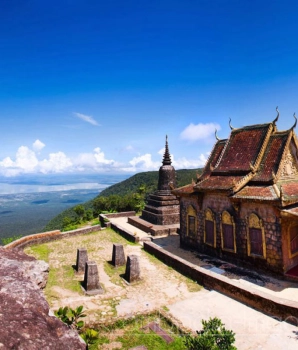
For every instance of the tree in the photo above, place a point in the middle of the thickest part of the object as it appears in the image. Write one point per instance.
(214, 336)
(140, 198)
(80, 211)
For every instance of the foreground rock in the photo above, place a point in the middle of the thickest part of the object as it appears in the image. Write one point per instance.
(24, 312)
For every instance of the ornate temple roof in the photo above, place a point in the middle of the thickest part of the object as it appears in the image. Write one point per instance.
(255, 162)
(243, 148)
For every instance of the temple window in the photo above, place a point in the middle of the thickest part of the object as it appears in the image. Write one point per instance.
(209, 234)
(256, 236)
(294, 240)
(228, 240)
(191, 221)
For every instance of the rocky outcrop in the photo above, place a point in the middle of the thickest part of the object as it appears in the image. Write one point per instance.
(24, 313)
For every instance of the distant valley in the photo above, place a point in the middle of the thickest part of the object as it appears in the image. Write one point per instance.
(29, 203)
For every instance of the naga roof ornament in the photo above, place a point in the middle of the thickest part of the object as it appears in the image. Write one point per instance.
(230, 124)
(217, 138)
(294, 126)
(276, 119)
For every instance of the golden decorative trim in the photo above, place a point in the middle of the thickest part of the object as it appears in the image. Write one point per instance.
(276, 190)
(283, 160)
(289, 167)
(254, 221)
(263, 148)
(227, 219)
(191, 212)
(238, 185)
(291, 255)
(209, 216)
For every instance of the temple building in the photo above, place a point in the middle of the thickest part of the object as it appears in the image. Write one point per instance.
(244, 206)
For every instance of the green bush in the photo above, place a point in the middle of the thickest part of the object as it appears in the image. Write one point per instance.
(214, 336)
(71, 316)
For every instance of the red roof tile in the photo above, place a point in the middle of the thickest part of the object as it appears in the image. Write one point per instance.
(272, 157)
(185, 189)
(243, 148)
(257, 192)
(213, 158)
(290, 189)
(218, 182)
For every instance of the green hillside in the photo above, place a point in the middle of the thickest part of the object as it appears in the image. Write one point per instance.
(123, 196)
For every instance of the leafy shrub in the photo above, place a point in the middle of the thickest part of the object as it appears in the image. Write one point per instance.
(214, 336)
(71, 316)
(90, 336)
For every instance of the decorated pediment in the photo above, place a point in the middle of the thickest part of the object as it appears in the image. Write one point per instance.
(289, 166)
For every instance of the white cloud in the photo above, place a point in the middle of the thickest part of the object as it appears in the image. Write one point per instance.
(143, 163)
(100, 157)
(38, 145)
(87, 118)
(161, 151)
(183, 163)
(27, 160)
(199, 131)
(57, 163)
(95, 161)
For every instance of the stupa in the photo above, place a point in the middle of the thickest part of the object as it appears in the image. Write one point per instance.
(163, 207)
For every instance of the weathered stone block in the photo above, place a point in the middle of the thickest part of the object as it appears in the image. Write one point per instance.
(118, 257)
(82, 258)
(132, 272)
(91, 279)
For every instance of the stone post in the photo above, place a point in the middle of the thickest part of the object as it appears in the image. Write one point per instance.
(132, 272)
(82, 258)
(91, 279)
(118, 258)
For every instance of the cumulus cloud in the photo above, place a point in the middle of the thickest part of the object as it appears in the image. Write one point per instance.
(199, 131)
(95, 161)
(38, 145)
(57, 163)
(143, 163)
(100, 157)
(28, 160)
(87, 118)
(184, 163)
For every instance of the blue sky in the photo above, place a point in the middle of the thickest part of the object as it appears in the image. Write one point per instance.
(94, 86)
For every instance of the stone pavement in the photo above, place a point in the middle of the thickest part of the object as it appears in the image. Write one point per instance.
(254, 330)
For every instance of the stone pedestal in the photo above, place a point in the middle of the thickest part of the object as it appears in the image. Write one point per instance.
(91, 279)
(162, 209)
(82, 258)
(118, 257)
(132, 272)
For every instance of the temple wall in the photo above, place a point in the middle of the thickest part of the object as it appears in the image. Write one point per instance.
(219, 203)
(270, 216)
(289, 260)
